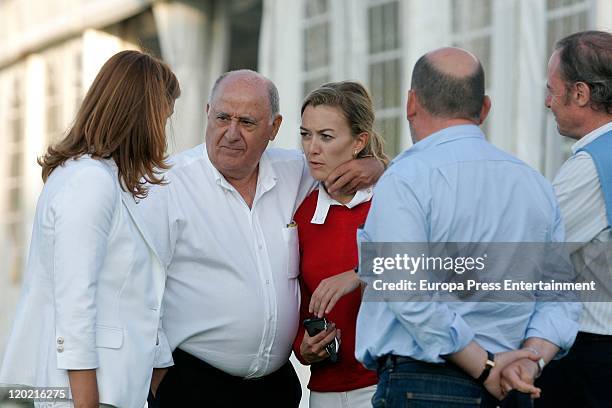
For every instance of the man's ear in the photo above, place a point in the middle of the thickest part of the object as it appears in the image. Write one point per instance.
(484, 110)
(411, 104)
(276, 126)
(581, 94)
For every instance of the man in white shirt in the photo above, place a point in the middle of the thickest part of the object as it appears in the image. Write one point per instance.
(225, 233)
(580, 97)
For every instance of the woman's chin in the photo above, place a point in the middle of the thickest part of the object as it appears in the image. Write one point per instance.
(319, 175)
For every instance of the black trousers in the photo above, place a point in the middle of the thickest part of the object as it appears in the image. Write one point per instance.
(193, 383)
(582, 379)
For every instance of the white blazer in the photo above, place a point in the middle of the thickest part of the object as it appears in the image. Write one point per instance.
(92, 291)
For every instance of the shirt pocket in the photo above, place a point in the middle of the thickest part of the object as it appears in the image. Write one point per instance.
(290, 235)
(109, 337)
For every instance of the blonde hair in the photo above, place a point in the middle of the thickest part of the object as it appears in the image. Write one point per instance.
(123, 117)
(356, 104)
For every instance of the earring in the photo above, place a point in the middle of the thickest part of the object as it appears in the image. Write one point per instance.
(355, 153)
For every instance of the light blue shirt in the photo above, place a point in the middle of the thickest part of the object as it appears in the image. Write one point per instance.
(454, 186)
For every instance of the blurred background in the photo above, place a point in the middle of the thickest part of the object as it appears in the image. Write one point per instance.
(50, 51)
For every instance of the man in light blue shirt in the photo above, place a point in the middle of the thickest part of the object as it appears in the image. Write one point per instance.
(453, 186)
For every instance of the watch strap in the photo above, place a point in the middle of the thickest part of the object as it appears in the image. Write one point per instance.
(489, 364)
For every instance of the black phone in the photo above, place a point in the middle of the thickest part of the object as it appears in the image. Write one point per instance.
(316, 325)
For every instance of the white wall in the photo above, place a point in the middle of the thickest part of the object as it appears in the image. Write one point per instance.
(518, 122)
(280, 60)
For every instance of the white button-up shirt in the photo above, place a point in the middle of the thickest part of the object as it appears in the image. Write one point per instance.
(584, 214)
(232, 295)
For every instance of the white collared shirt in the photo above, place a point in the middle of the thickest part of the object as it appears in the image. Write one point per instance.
(232, 297)
(324, 201)
(584, 214)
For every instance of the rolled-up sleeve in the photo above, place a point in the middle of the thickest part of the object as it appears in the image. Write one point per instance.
(436, 330)
(556, 322)
(83, 214)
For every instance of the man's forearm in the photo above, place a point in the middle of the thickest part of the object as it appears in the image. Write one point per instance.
(471, 359)
(544, 348)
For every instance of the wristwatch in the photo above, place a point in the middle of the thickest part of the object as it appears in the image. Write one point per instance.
(541, 363)
(489, 364)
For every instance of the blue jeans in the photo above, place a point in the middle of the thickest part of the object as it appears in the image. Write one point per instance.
(405, 382)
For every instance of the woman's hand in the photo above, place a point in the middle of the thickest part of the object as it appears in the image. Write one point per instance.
(84, 388)
(330, 290)
(312, 349)
(156, 379)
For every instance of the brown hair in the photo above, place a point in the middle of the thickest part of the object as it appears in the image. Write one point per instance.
(356, 104)
(123, 117)
(586, 57)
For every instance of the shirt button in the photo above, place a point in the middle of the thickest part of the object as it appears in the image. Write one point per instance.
(267, 281)
(60, 348)
(60, 340)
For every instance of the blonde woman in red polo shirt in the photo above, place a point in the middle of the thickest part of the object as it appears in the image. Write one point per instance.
(337, 126)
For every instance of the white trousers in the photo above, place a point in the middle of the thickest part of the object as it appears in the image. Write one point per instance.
(359, 398)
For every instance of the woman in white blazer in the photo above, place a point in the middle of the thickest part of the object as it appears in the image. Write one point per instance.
(89, 314)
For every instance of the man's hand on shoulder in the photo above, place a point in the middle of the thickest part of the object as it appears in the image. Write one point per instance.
(354, 175)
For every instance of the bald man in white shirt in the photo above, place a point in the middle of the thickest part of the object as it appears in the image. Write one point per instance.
(224, 230)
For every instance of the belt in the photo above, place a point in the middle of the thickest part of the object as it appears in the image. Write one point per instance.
(391, 360)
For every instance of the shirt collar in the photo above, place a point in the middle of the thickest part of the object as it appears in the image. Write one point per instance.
(448, 134)
(324, 201)
(591, 137)
(441, 136)
(266, 178)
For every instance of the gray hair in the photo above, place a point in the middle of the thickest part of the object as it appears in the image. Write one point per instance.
(273, 98)
(586, 57)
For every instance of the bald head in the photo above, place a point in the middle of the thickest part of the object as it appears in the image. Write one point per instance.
(455, 62)
(250, 81)
(449, 83)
